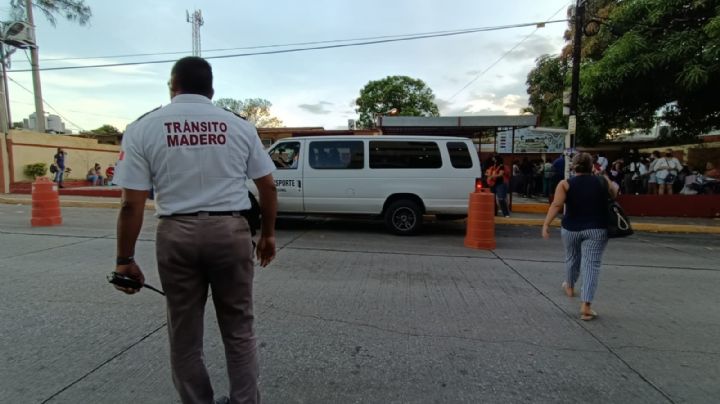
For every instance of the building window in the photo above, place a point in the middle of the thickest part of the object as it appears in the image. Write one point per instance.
(404, 154)
(336, 155)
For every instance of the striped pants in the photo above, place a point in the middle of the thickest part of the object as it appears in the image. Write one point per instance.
(584, 249)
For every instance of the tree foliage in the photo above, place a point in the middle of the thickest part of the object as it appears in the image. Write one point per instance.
(647, 60)
(405, 95)
(106, 130)
(71, 10)
(665, 55)
(546, 83)
(255, 110)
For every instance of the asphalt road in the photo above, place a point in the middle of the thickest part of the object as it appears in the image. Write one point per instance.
(350, 314)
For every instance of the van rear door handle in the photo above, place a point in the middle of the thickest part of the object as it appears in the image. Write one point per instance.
(299, 184)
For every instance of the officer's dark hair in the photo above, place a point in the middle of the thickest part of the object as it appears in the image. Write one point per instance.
(192, 75)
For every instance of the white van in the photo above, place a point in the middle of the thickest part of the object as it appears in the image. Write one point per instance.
(398, 178)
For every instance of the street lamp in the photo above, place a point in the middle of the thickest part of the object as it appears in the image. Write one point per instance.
(18, 35)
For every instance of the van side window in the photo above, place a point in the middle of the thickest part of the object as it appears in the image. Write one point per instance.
(459, 155)
(286, 156)
(336, 155)
(404, 154)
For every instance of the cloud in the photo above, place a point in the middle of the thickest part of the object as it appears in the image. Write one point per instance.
(533, 48)
(317, 108)
(442, 104)
(484, 104)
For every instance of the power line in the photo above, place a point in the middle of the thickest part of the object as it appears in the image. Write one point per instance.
(493, 64)
(48, 105)
(370, 38)
(295, 50)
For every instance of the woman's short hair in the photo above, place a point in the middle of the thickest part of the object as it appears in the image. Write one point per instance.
(582, 163)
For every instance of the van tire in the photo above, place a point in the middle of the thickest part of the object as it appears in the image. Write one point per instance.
(403, 217)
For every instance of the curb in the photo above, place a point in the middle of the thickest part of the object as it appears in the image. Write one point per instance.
(646, 227)
(74, 204)
(530, 208)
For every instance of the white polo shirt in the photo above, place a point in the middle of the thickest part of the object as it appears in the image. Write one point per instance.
(196, 156)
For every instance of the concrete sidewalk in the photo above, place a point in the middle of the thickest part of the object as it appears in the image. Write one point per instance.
(527, 214)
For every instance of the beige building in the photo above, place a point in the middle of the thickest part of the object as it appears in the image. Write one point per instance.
(21, 147)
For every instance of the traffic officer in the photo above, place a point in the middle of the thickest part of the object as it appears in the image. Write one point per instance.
(198, 157)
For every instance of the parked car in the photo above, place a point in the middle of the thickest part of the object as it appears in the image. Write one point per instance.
(397, 178)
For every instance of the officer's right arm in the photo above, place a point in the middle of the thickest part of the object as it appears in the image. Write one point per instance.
(135, 180)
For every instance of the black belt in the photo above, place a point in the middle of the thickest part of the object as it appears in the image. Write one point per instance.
(211, 213)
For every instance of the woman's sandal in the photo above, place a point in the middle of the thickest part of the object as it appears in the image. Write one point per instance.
(569, 292)
(591, 315)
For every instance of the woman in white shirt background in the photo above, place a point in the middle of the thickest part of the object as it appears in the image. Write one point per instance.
(666, 171)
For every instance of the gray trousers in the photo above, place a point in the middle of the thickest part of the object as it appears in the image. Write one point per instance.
(584, 250)
(194, 252)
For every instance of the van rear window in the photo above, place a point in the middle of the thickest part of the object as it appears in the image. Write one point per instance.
(459, 155)
(404, 154)
(336, 155)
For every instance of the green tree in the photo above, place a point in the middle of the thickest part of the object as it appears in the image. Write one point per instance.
(597, 12)
(664, 55)
(405, 95)
(106, 130)
(546, 83)
(255, 110)
(71, 10)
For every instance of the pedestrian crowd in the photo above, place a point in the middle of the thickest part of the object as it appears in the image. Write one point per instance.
(657, 173)
(59, 169)
(537, 177)
(635, 173)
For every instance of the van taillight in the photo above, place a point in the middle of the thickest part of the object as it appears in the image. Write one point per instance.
(478, 184)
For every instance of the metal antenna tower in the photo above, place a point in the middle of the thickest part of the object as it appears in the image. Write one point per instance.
(197, 21)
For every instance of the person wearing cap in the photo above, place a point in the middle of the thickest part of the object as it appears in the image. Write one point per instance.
(198, 158)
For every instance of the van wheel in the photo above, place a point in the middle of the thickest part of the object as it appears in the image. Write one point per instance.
(403, 217)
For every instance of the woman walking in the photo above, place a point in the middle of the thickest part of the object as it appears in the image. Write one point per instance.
(584, 228)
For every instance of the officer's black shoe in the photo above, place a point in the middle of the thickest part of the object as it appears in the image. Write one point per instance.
(222, 400)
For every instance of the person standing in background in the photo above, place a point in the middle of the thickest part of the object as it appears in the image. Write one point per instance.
(59, 160)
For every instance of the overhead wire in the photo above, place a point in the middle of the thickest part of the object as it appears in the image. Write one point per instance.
(468, 30)
(76, 126)
(296, 50)
(503, 56)
(337, 43)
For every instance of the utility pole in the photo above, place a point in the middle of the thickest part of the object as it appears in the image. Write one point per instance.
(34, 61)
(5, 102)
(197, 21)
(575, 85)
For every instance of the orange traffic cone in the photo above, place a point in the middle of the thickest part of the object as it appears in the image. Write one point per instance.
(481, 220)
(45, 203)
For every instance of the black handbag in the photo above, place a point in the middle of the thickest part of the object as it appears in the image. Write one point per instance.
(618, 223)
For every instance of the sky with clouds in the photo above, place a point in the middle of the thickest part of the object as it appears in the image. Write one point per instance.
(312, 88)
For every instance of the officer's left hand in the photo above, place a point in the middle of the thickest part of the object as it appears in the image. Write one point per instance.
(132, 270)
(266, 250)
